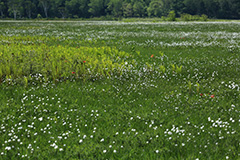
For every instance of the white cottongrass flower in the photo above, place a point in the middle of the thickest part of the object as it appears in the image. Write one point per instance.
(8, 148)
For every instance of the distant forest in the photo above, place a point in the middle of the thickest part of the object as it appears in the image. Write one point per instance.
(22, 9)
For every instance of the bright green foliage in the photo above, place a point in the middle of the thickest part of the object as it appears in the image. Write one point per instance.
(171, 16)
(162, 69)
(204, 17)
(173, 67)
(189, 86)
(178, 69)
(198, 87)
(188, 17)
(58, 62)
(25, 81)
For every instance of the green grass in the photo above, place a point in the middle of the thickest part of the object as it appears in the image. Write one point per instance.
(145, 108)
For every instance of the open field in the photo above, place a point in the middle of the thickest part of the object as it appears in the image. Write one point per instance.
(116, 90)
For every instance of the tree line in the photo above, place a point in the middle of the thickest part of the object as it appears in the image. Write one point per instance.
(19, 9)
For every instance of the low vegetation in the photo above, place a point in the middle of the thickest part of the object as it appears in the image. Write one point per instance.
(119, 90)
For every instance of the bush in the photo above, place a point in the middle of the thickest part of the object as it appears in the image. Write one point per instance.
(186, 17)
(39, 16)
(189, 17)
(75, 16)
(204, 17)
(195, 17)
(171, 16)
(163, 18)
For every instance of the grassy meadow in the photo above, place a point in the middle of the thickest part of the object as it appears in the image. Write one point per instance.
(119, 90)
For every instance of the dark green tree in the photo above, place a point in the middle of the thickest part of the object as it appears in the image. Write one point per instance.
(78, 8)
(29, 7)
(72, 7)
(127, 10)
(116, 7)
(234, 8)
(138, 9)
(96, 7)
(14, 7)
(155, 8)
(58, 8)
(46, 5)
(2, 8)
(177, 6)
(210, 7)
(190, 6)
(63, 12)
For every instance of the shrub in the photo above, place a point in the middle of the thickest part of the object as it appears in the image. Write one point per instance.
(163, 18)
(204, 17)
(195, 18)
(75, 16)
(39, 16)
(189, 17)
(171, 16)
